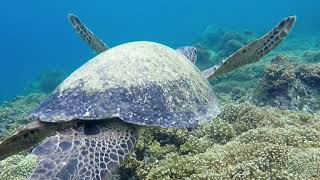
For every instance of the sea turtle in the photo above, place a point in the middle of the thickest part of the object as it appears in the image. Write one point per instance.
(87, 125)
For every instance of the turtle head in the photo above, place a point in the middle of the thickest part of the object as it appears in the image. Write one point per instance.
(189, 52)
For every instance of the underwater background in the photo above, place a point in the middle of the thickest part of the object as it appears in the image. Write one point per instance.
(269, 127)
(36, 35)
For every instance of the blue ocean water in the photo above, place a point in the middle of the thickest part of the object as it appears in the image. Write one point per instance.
(36, 35)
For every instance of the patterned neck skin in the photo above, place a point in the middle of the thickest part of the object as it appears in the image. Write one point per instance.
(189, 52)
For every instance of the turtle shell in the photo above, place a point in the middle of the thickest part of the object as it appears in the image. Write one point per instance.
(143, 83)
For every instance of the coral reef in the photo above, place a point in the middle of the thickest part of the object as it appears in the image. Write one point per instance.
(17, 167)
(290, 86)
(50, 79)
(47, 81)
(279, 76)
(217, 43)
(15, 112)
(311, 56)
(230, 47)
(239, 84)
(206, 57)
(218, 39)
(244, 142)
(309, 74)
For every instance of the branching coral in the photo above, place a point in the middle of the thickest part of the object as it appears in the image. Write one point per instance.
(12, 115)
(218, 130)
(15, 112)
(17, 167)
(245, 142)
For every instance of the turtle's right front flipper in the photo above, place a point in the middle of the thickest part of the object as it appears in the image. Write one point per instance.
(86, 35)
(254, 51)
(92, 150)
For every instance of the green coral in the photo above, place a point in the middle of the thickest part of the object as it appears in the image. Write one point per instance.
(244, 142)
(220, 131)
(246, 116)
(14, 113)
(17, 167)
(233, 160)
(196, 145)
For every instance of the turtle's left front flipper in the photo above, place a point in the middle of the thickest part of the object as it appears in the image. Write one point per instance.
(254, 51)
(91, 150)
